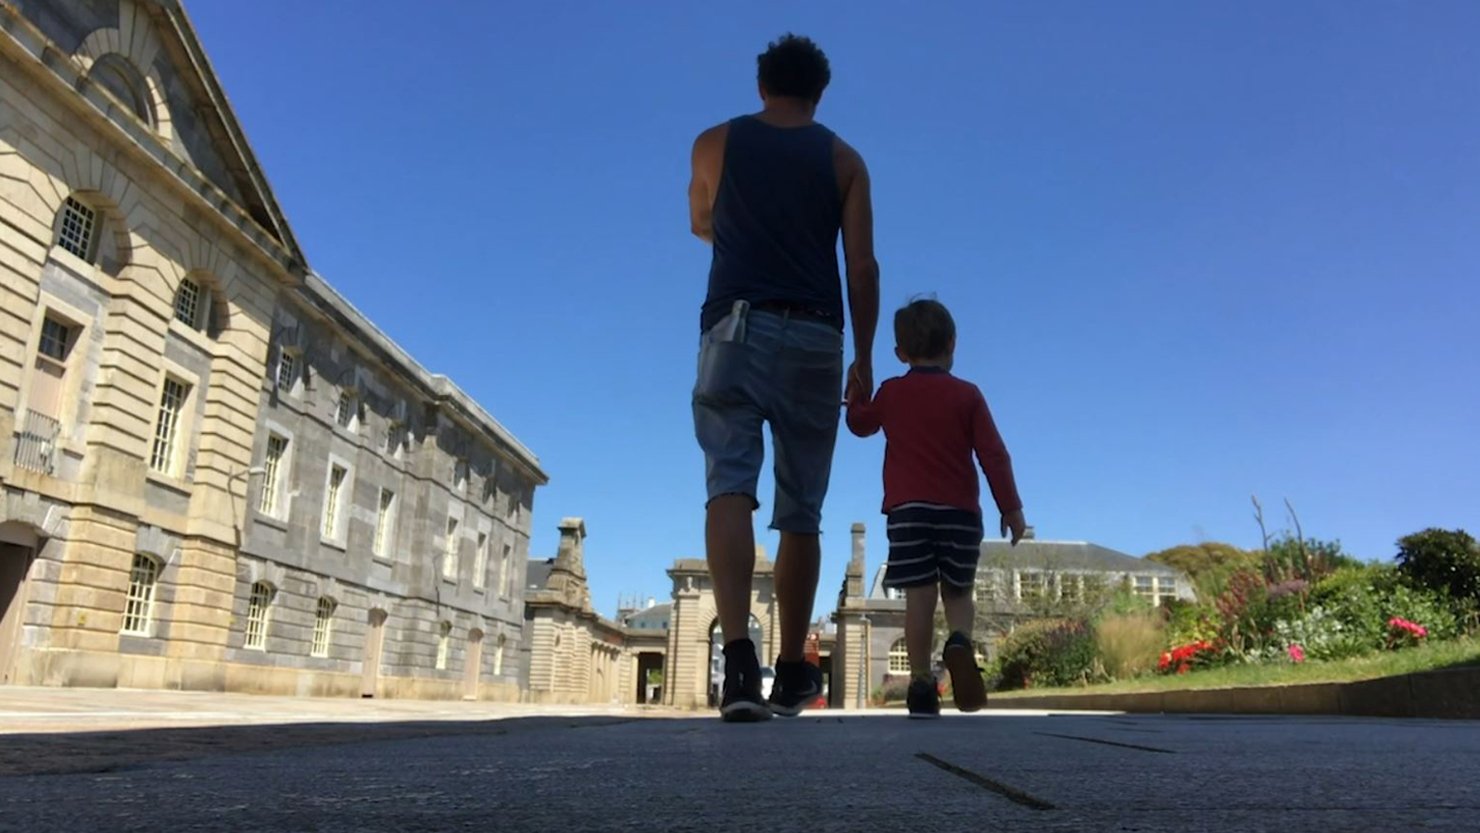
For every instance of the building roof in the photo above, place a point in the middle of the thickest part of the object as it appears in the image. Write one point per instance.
(656, 616)
(538, 572)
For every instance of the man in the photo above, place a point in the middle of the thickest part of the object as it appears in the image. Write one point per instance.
(771, 192)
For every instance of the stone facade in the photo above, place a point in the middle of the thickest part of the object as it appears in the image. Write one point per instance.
(575, 655)
(181, 396)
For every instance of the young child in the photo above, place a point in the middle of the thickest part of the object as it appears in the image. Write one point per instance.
(933, 423)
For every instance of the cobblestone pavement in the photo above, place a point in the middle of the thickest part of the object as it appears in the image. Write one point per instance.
(500, 769)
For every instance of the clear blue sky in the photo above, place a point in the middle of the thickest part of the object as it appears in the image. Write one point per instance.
(1195, 250)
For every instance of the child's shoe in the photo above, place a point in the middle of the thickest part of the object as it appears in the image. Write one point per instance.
(923, 699)
(966, 677)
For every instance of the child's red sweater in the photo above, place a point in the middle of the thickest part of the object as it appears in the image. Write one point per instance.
(932, 423)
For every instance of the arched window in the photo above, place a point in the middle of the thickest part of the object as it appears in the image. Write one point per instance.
(444, 644)
(138, 610)
(899, 658)
(119, 76)
(323, 626)
(259, 615)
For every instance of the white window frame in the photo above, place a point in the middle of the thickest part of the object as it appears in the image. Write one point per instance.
(444, 644)
(334, 517)
(449, 550)
(480, 563)
(77, 229)
(287, 361)
(143, 589)
(259, 615)
(274, 475)
(199, 299)
(385, 522)
(899, 657)
(460, 475)
(171, 430)
(323, 626)
(1041, 581)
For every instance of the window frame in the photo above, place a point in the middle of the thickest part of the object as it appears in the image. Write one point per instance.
(333, 517)
(347, 410)
(385, 523)
(287, 359)
(86, 218)
(169, 444)
(259, 615)
(274, 475)
(444, 645)
(480, 563)
(450, 549)
(323, 627)
(143, 593)
(899, 657)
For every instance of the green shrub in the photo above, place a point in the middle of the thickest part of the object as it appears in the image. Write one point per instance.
(1442, 560)
(1048, 652)
(1432, 610)
(1128, 644)
(1188, 622)
(1354, 595)
(1320, 633)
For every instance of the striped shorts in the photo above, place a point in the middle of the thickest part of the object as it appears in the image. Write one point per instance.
(930, 543)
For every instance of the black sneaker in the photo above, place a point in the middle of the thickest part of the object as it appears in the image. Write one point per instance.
(923, 700)
(742, 701)
(966, 676)
(797, 686)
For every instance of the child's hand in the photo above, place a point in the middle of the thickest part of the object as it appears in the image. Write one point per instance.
(1015, 523)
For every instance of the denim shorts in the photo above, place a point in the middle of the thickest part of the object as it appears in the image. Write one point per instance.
(761, 367)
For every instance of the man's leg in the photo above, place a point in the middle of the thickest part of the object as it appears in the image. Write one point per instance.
(797, 563)
(729, 544)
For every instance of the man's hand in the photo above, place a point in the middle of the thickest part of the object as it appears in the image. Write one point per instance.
(1015, 523)
(860, 386)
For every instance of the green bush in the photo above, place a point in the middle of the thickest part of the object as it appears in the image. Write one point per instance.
(1354, 595)
(1425, 607)
(1320, 633)
(1048, 652)
(1442, 560)
(1188, 622)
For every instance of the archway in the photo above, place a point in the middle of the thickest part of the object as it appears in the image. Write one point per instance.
(717, 655)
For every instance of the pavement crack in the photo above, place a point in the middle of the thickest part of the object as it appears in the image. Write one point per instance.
(1109, 743)
(1010, 793)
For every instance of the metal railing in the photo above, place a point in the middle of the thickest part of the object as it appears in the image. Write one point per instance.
(36, 442)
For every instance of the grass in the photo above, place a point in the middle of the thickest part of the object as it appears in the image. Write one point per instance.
(1449, 654)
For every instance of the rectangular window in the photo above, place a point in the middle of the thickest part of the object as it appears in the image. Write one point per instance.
(344, 411)
(460, 476)
(449, 560)
(444, 644)
(1146, 587)
(166, 430)
(1070, 590)
(138, 609)
(259, 607)
(272, 472)
(76, 232)
(287, 371)
(323, 625)
(480, 563)
(332, 496)
(384, 520)
(1030, 585)
(187, 303)
(56, 339)
(987, 586)
(503, 571)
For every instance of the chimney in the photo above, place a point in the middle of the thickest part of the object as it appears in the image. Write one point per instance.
(859, 550)
(571, 553)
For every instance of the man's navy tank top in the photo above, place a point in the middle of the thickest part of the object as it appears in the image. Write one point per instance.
(776, 219)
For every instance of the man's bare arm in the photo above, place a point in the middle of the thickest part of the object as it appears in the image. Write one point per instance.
(863, 268)
(707, 158)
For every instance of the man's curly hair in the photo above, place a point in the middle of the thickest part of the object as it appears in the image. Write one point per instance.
(793, 66)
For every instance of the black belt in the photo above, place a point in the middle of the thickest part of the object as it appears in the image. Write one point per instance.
(792, 309)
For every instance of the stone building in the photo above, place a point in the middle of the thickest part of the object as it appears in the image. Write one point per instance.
(219, 475)
(575, 655)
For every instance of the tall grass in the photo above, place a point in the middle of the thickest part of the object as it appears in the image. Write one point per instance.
(1128, 643)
